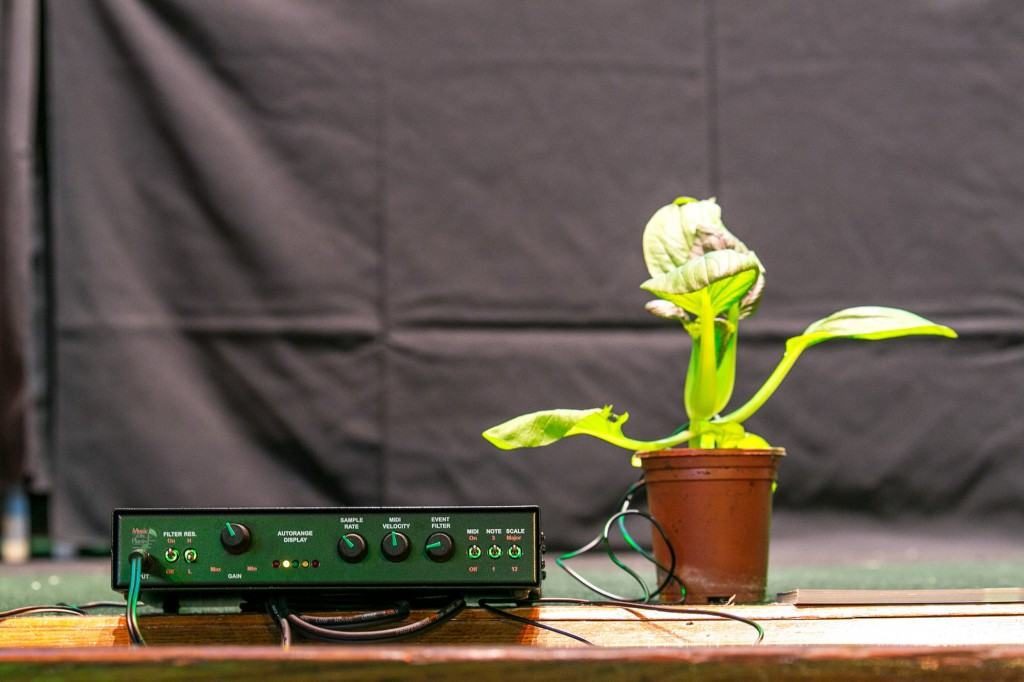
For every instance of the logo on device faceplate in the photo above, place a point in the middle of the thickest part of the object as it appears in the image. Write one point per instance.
(143, 538)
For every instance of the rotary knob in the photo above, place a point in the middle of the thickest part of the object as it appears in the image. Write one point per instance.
(395, 546)
(440, 547)
(235, 538)
(352, 547)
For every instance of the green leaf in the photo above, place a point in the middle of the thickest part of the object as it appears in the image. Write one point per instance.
(733, 435)
(726, 276)
(537, 429)
(868, 323)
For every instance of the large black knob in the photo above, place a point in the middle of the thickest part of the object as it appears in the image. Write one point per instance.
(235, 537)
(395, 546)
(352, 547)
(440, 547)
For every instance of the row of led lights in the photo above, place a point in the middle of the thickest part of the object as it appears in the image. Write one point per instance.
(294, 563)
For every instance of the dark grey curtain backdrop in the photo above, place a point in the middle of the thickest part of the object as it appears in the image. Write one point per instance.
(304, 252)
(19, 203)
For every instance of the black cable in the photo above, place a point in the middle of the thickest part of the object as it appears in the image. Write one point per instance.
(61, 608)
(669, 571)
(302, 624)
(603, 539)
(655, 607)
(42, 608)
(611, 598)
(282, 624)
(399, 611)
(97, 605)
(488, 605)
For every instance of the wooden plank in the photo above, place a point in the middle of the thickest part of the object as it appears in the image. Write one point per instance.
(515, 664)
(911, 625)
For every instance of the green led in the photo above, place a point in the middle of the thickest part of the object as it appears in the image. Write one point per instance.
(515, 551)
(474, 552)
(171, 555)
(191, 556)
(494, 552)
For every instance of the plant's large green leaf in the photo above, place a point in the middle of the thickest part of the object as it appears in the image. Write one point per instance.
(537, 429)
(725, 276)
(870, 323)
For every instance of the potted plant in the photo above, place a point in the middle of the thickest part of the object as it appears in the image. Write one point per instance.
(709, 483)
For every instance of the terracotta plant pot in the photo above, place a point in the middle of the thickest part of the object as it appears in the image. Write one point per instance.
(715, 507)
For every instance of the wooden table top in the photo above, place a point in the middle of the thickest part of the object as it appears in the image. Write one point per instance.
(835, 643)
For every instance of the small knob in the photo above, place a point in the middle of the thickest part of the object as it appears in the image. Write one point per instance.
(440, 547)
(395, 546)
(235, 538)
(352, 547)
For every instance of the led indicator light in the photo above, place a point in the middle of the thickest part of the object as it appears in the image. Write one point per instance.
(305, 564)
(286, 564)
(316, 563)
(277, 564)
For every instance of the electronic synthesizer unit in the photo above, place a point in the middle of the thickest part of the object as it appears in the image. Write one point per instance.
(339, 550)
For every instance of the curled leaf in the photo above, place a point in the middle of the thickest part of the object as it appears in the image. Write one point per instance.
(724, 276)
(687, 230)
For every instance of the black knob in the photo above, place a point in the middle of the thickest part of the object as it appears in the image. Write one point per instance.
(235, 538)
(440, 547)
(395, 546)
(352, 547)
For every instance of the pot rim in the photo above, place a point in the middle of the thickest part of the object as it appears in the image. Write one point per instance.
(711, 452)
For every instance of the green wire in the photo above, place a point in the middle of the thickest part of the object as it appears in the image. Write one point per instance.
(134, 588)
(628, 496)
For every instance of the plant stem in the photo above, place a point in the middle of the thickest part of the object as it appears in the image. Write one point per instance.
(654, 445)
(703, 399)
(769, 387)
